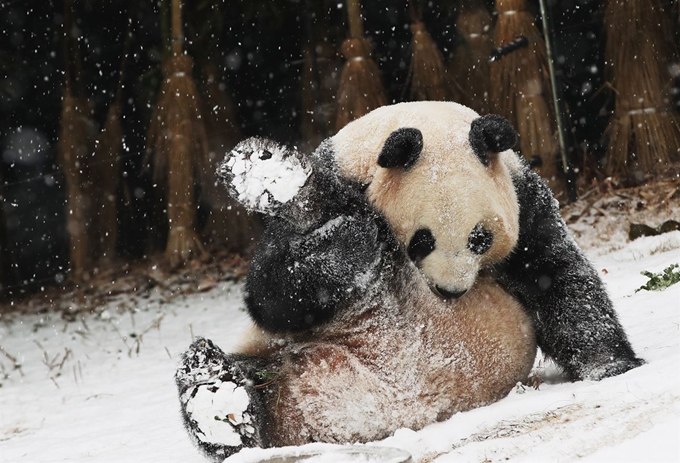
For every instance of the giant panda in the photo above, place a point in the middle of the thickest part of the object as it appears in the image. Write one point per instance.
(408, 270)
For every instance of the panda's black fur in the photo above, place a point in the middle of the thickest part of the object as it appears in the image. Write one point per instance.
(300, 278)
(305, 271)
(574, 319)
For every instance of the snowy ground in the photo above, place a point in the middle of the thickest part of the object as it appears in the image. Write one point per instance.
(101, 389)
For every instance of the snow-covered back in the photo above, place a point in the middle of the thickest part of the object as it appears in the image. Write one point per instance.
(101, 388)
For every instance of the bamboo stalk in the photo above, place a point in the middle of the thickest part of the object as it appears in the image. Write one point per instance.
(177, 34)
(356, 23)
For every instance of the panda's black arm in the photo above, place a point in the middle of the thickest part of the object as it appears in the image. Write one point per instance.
(574, 319)
(299, 278)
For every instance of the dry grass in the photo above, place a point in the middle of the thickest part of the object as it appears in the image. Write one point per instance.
(601, 218)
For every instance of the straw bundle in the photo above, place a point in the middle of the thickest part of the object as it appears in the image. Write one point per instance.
(74, 147)
(519, 85)
(105, 175)
(177, 137)
(228, 223)
(470, 64)
(644, 133)
(73, 150)
(427, 74)
(178, 140)
(360, 89)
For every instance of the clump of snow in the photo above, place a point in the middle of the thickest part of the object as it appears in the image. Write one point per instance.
(323, 453)
(217, 411)
(263, 175)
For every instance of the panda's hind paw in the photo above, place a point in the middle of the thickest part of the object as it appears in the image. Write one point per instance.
(220, 406)
(263, 175)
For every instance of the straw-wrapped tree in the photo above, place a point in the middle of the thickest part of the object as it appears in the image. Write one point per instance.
(520, 89)
(644, 133)
(360, 90)
(74, 147)
(178, 143)
(428, 77)
(470, 63)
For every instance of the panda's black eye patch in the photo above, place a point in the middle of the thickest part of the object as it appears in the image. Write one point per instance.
(401, 149)
(480, 239)
(421, 245)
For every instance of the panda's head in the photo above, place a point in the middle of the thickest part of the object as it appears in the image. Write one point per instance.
(441, 175)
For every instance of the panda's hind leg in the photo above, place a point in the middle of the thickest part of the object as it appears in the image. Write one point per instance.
(222, 405)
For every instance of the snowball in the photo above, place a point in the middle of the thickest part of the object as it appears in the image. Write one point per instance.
(217, 412)
(265, 177)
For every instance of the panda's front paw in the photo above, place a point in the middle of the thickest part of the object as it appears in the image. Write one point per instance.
(263, 175)
(613, 368)
(218, 401)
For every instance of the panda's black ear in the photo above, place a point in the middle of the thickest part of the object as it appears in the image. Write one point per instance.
(491, 134)
(401, 149)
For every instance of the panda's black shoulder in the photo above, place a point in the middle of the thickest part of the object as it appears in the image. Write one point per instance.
(534, 197)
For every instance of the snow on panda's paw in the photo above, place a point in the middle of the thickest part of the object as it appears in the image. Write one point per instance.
(219, 411)
(263, 175)
(604, 370)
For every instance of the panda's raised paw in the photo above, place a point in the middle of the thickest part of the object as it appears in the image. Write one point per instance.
(218, 401)
(263, 175)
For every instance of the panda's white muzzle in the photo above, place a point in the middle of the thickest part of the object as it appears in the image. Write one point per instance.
(449, 276)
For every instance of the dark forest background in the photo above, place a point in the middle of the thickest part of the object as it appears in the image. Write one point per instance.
(257, 44)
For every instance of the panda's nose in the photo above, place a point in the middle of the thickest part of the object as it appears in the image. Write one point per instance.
(444, 294)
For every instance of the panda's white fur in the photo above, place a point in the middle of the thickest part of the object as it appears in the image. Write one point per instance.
(406, 360)
(448, 190)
